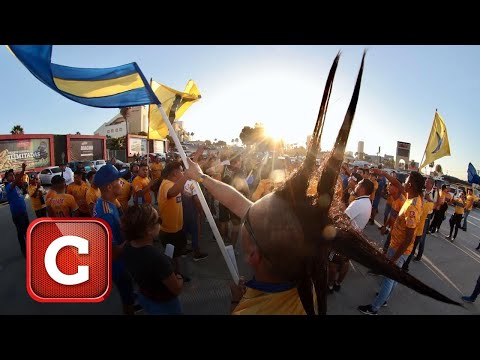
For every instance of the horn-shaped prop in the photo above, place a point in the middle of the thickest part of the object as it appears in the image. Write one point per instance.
(356, 246)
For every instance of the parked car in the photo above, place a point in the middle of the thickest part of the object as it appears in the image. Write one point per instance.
(98, 164)
(47, 174)
(82, 165)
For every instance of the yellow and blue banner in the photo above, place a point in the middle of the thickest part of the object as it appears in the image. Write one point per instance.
(437, 145)
(120, 86)
(174, 103)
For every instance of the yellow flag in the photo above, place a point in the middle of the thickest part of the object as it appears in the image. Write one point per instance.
(437, 146)
(174, 102)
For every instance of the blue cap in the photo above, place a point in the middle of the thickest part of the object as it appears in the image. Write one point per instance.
(106, 174)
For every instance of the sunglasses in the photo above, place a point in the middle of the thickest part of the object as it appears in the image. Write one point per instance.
(248, 227)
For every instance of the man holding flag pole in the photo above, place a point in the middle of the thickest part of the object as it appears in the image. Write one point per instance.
(118, 87)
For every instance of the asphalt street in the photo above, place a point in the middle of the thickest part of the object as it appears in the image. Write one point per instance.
(451, 268)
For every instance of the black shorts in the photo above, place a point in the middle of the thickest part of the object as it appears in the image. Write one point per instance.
(226, 215)
(178, 239)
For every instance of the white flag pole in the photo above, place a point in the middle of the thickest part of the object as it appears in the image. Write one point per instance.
(205, 207)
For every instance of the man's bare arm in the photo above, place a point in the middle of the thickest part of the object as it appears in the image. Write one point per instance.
(227, 195)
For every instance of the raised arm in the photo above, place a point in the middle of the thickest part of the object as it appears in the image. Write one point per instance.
(227, 195)
(390, 178)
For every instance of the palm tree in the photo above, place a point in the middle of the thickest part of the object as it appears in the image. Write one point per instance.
(17, 129)
(78, 133)
(191, 134)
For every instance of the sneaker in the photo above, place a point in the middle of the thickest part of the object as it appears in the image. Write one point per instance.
(330, 290)
(336, 287)
(452, 239)
(477, 248)
(366, 309)
(186, 279)
(447, 237)
(417, 259)
(467, 299)
(200, 256)
(405, 268)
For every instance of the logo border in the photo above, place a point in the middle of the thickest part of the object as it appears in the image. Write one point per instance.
(41, 299)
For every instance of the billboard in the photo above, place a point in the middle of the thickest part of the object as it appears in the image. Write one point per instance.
(403, 149)
(34, 152)
(86, 149)
(158, 146)
(137, 146)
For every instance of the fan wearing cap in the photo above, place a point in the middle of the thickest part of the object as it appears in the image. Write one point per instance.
(18, 208)
(60, 204)
(107, 179)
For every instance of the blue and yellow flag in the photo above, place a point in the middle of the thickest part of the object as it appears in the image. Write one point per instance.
(472, 174)
(174, 102)
(120, 86)
(437, 145)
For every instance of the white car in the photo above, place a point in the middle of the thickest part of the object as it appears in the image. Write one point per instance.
(98, 164)
(47, 174)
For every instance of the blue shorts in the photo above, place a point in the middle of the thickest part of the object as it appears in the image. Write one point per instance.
(152, 307)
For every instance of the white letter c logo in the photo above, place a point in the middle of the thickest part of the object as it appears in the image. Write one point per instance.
(51, 260)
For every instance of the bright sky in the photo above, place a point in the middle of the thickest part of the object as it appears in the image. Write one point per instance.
(280, 86)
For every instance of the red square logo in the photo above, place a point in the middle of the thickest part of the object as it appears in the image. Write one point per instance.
(69, 260)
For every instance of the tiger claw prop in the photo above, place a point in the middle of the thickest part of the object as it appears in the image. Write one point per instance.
(335, 230)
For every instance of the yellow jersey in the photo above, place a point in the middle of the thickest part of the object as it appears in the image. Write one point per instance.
(469, 202)
(79, 192)
(92, 196)
(265, 186)
(156, 170)
(408, 217)
(37, 202)
(270, 299)
(125, 194)
(62, 205)
(138, 184)
(459, 206)
(170, 209)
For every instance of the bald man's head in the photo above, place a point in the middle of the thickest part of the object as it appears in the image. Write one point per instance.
(278, 236)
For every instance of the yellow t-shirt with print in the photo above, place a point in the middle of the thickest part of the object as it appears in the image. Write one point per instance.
(35, 201)
(138, 184)
(62, 205)
(170, 209)
(408, 217)
(79, 192)
(156, 170)
(257, 302)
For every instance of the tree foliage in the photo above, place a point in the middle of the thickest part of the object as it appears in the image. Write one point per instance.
(116, 143)
(17, 129)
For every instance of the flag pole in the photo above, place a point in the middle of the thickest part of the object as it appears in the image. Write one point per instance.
(203, 202)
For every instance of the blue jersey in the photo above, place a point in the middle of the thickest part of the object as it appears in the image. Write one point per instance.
(15, 199)
(107, 211)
